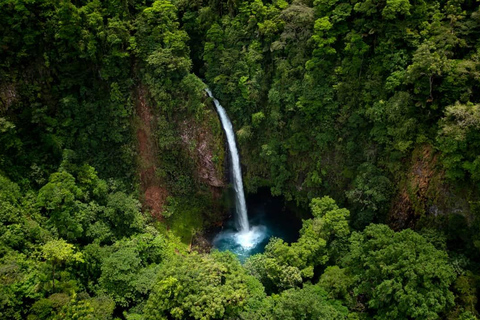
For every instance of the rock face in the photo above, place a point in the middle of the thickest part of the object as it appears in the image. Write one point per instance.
(201, 145)
(154, 194)
(198, 139)
(8, 95)
(424, 193)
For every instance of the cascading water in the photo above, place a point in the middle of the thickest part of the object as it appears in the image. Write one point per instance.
(245, 236)
(240, 205)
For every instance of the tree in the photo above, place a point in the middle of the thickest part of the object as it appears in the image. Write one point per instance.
(123, 214)
(12, 228)
(58, 252)
(458, 139)
(129, 272)
(119, 272)
(198, 286)
(337, 283)
(284, 265)
(333, 224)
(370, 194)
(19, 283)
(59, 197)
(273, 274)
(310, 302)
(401, 275)
(99, 308)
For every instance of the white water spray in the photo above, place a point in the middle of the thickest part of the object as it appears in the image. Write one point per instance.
(240, 205)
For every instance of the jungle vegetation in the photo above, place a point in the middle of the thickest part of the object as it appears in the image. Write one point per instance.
(366, 113)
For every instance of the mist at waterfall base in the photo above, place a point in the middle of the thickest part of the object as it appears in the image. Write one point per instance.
(268, 217)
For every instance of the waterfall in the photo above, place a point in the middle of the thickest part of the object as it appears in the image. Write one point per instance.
(240, 205)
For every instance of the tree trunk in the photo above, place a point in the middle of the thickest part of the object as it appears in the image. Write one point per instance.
(53, 277)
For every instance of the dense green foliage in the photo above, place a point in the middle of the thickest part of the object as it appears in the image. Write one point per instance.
(401, 274)
(335, 95)
(375, 103)
(216, 288)
(132, 270)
